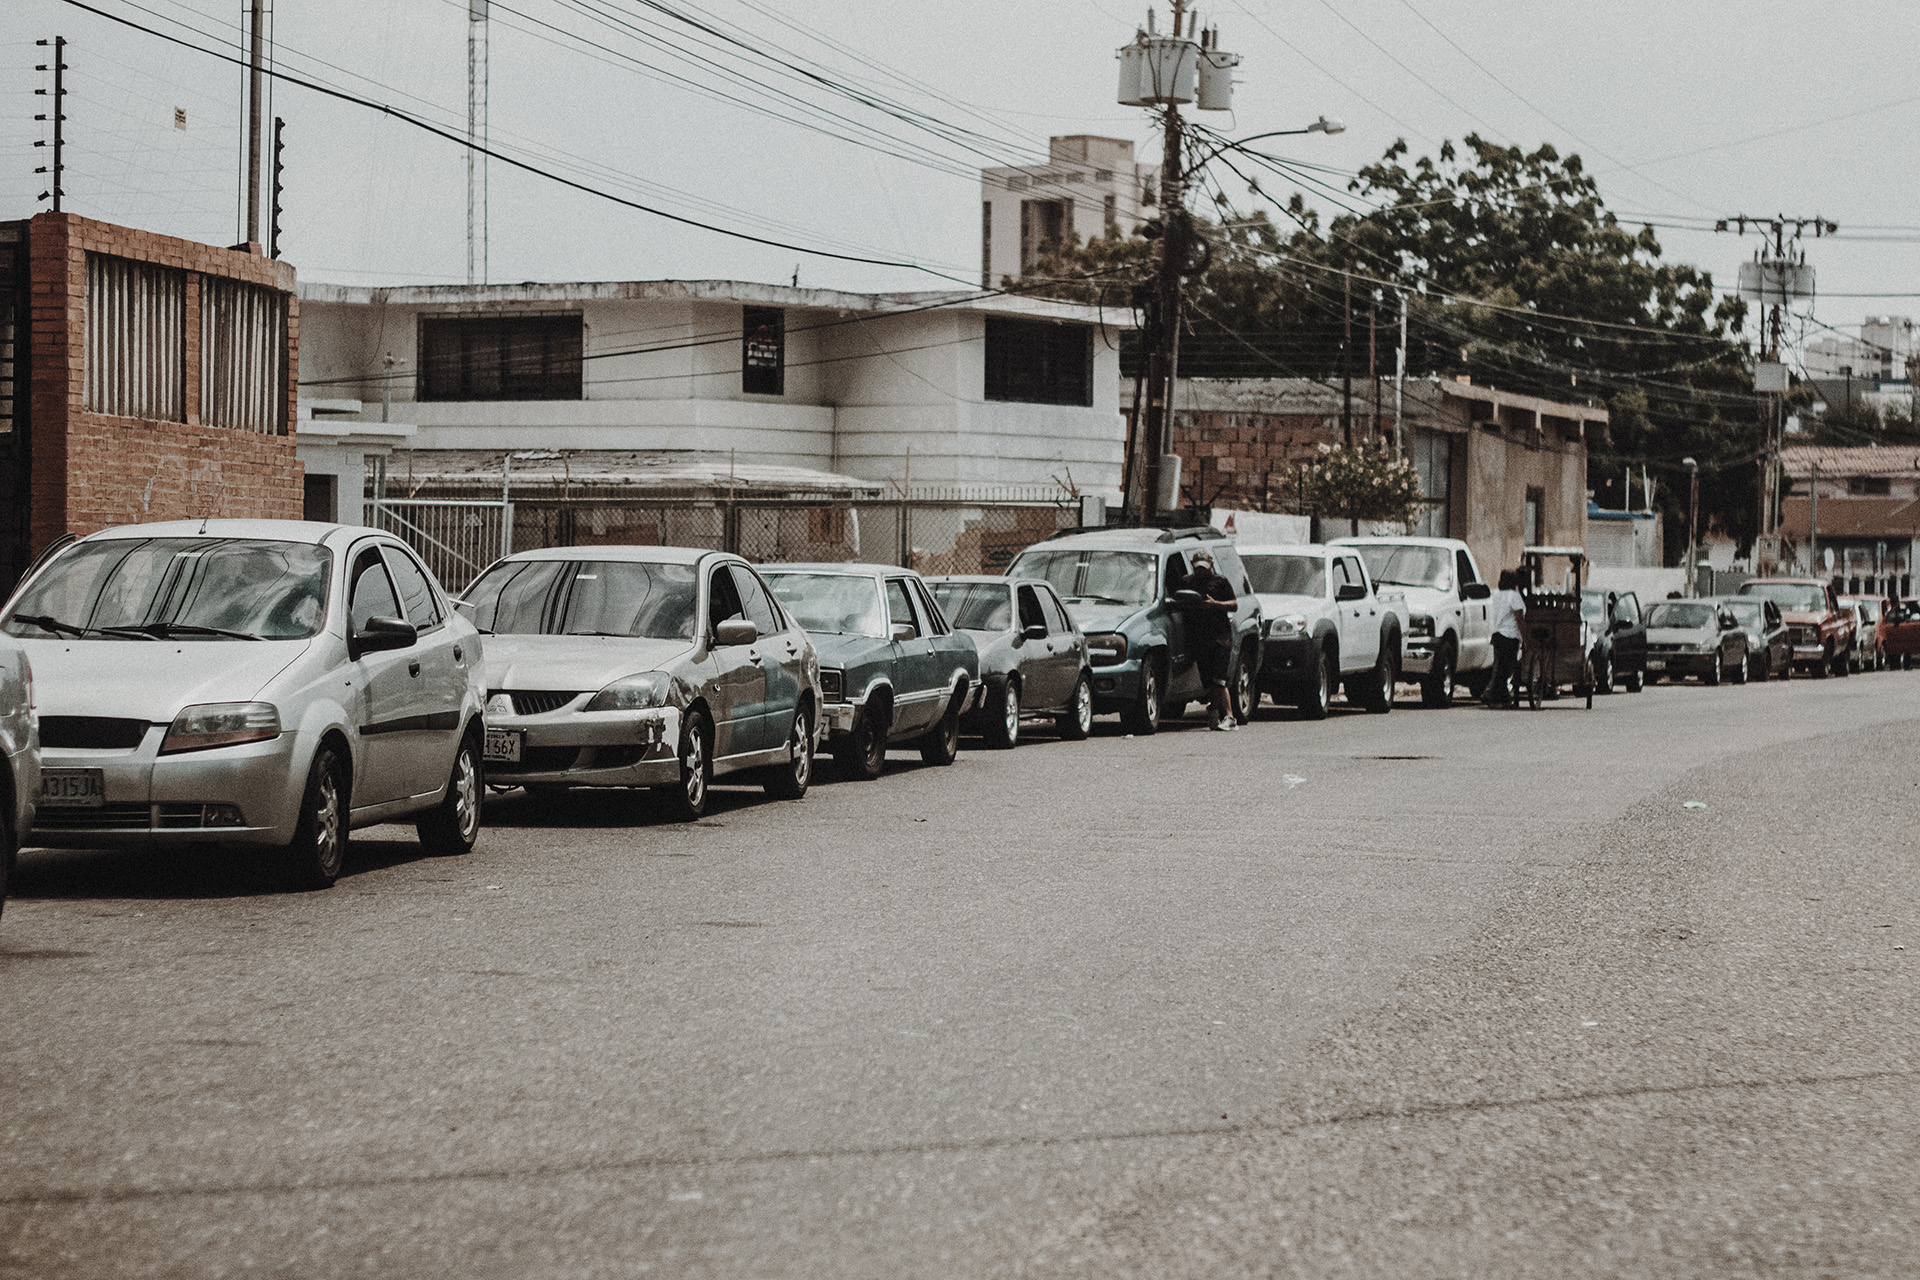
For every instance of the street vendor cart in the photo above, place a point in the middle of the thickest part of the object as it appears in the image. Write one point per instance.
(1555, 648)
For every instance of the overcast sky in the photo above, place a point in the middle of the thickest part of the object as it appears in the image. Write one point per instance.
(1685, 110)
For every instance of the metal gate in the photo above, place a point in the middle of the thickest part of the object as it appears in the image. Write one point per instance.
(456, 537)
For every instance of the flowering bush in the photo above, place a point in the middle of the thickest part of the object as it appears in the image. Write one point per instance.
(1366, 482)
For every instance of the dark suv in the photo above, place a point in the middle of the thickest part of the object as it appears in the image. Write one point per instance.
(1116, 583)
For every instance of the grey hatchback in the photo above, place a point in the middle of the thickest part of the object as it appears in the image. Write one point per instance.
(1033, 659)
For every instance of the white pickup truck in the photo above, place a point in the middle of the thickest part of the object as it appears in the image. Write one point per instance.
(1450, 631)
(1324, 622)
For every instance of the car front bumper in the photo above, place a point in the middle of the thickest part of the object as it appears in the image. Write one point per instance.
(248, 794)
(1286, 661)
(591, 749)
(1680, 664)
(1117, 687)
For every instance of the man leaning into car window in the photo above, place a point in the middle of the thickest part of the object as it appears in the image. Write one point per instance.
(1210, 630)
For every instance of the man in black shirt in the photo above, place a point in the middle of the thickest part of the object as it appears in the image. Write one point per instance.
(1210, 635)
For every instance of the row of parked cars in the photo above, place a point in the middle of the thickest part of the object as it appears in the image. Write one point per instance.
(280, 683)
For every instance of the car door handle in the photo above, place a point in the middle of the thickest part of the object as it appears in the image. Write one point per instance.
(413, 668)
(457, 655)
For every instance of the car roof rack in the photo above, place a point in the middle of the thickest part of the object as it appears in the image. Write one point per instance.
(1168, 532)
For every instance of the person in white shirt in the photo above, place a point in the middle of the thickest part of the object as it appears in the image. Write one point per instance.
(1508, 609)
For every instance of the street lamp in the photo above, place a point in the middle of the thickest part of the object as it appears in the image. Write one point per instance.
(1322, 125)
(1693, 522)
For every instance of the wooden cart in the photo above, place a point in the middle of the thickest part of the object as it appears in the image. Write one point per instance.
(1556, 649)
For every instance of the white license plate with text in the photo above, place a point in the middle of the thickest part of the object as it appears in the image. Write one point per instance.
(504, 745)
(1656, 664)
(73, 788)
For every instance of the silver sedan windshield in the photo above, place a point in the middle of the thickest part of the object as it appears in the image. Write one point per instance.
(178, 589)
(841, 603)
(585, 598)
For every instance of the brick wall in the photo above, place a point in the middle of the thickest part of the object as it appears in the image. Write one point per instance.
(91, 470)
(1245, 460)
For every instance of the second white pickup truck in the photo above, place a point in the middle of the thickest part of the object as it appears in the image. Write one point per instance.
(1450, 630)
(1324, 622)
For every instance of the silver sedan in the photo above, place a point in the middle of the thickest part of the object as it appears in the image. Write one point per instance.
(1033, 658)
(263, 682)
(659, 667)
(19, 755)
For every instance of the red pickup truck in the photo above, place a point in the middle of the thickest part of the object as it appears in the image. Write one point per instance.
(1820, 632)
(1900, 634)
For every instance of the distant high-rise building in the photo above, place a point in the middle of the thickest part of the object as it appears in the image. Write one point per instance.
(1090, 187)
(1880, 352)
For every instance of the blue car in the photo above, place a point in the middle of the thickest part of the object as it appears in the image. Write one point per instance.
(893, 671)
(1117, 583)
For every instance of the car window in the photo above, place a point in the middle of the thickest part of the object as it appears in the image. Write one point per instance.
(1628, 608)
(723, 599)
(832, 603)
(1396, 564)
(416, 593)
(1056, 612)
(1687, 616)
(514, 597)
(899, 607)
(760, 608)
(974, 606)
(1463, 568)
(1176, 572)
(1288, 575)
(372, 594)
(1031, 614)
(1340, 575)
(936, 620)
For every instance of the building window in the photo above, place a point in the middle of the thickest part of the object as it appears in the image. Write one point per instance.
(763, 351)
(243, 356)
(319, 502)
(1536, 498)
(136, 339)
(1869, 486)
(1111, 214)
(500, 357)
(1032, 362)
(1433, 460)
(1044, 225)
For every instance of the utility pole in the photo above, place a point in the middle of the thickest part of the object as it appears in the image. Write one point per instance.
(476, 139)
(1400, 383)
(1373, 363)
(1346, 360)
(56, 170)
(1693, 522)
(255, 56)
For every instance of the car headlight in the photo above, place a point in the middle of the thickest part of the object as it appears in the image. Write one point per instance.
(1104, 648)
(1419, 625)
(221, 724)
(634, 693)
(1291, 624)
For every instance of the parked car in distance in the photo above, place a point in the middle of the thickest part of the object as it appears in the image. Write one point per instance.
(893, 672)
(1619, 650)
(1822, 635)
(1325, 622)
(19, 756)
(1033, 659)
(1869, 637)
(1769, 646)
(1117, 583)
(1900, 634)
(657, 667)
(252, 682)
(1695, 638)
(1449, 629)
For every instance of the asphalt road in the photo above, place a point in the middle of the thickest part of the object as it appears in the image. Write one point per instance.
(1461, 993)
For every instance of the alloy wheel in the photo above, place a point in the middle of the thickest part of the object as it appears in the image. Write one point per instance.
(329, 851)
(693, 762)
(466, 793)
(1010, 709)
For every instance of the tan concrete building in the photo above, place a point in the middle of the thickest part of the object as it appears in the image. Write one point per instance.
(1500, 471)
(1868, 514)
(1088, 188)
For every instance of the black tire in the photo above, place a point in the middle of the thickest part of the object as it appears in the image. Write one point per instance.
(1843, 664)
(1245, 695)
(1003, 715)
(1317, 695)
(1476, 684)
(1824, 667)
(686, 800)
(1603, 676)
(1714, 673)
(1743, 670)
(861, 752)
(1373, 689)
(1636, 681)
(1760, 667)
(941, 744)
(791, 780)
(1143, 716)
(318, 851)
(1077, 724)
(1437, 689)
(450, 828)
(1536, 680)
(9, 848)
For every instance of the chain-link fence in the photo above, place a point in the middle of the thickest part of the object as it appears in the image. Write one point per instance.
(936, 533)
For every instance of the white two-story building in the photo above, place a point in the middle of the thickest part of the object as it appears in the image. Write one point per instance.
(951, 390)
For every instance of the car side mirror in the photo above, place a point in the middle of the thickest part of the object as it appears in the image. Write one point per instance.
(904, 631)
(1477, 591)
(1034, 631)
(382, 634)
(1350, 591)
(734, 632)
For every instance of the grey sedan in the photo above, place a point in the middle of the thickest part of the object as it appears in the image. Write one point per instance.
(1033, 659)
(659, 667)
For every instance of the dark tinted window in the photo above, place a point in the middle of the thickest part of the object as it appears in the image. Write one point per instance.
(372, 595)
(755, 601)
(1030, 612)
(723, 598)
(1034, 362)
(416, 594)
(500, 357)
